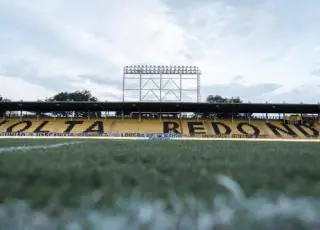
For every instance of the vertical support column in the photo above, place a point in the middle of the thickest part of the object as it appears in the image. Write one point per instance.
(140, 87)
(160, 87)
(123, 86)
(198, 88)
(180, 99)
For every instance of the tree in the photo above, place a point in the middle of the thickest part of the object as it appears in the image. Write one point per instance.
(2, 99)
(222, 100)
(217, 99)
(84, 95)
(77, 96)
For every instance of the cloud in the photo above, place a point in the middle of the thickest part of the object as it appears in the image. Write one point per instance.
(316, 72)
(56, 45)
(306, 93)
(252, 93)
(10, 86)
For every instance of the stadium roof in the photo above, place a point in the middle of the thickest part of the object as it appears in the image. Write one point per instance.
(157, 107)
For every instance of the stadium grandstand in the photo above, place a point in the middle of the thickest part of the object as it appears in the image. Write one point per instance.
(160, 117)
(138, 119)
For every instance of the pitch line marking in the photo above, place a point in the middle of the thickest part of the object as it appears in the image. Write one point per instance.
(31, 147)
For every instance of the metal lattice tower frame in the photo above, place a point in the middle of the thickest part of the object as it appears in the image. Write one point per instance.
(160, 77)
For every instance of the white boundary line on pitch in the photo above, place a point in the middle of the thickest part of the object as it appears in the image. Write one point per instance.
(31, 147)
(173, 139)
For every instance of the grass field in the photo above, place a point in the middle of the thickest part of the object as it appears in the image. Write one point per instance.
(69, 172)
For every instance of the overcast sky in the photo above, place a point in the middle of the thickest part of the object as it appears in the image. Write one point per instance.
(260, 50)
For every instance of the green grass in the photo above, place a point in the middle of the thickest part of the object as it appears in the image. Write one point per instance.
(156, 169)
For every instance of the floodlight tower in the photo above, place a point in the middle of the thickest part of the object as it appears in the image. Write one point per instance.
(155, 80)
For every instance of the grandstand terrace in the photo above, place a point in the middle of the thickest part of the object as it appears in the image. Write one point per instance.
(150, 118)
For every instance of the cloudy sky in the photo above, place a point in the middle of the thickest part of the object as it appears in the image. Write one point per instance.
(260, 50)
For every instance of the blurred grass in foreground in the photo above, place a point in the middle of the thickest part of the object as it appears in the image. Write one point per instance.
(228, 211)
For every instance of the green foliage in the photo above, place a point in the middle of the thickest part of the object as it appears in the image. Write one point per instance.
(2, 99)
(222, 100)
(77, 96)
(84, 95)
(217, 99)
